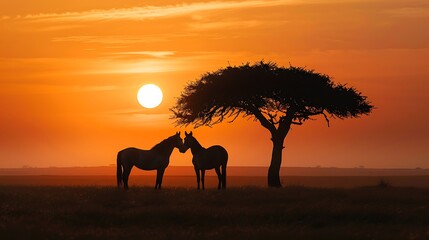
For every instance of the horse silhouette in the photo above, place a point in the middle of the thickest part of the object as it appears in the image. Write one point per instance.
(206, 158)
(157, 158)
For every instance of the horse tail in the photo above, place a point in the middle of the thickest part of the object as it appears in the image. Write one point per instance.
(119, 169)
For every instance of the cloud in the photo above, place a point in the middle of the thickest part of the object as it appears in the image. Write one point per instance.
(90, 88)
(58, 27)
(47, 88)
(158, 62)
(410, 12)
(140, 117)
(155, 54)
(140, 112)
(151, 12)
(224, 24)
(122, 39)
(156, 65)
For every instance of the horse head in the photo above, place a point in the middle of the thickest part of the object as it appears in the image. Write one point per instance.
(177, 140)
(188, 142)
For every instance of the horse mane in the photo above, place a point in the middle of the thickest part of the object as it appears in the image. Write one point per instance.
(161, 145)
(197, 143)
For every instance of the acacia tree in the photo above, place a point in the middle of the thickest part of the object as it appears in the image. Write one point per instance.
(277, 97)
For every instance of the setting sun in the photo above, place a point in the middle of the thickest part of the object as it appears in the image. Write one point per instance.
(149, 96)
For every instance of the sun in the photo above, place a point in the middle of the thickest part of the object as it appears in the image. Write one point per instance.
(149, 96)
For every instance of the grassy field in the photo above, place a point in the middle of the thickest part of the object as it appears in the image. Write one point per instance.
(211, 181)
(293, 212)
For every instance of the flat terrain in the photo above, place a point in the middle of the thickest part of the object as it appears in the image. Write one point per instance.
(211, 181)
(294, 212)
(232, 171)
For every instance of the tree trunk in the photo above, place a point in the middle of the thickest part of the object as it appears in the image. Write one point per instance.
(276, 162)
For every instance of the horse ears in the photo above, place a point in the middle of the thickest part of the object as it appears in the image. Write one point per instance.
(178, 133)
(190, 133)
(186, 134)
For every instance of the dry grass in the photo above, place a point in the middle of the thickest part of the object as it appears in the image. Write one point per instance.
(55, 212)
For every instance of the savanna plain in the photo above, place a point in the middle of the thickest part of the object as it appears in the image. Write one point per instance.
(379, 211)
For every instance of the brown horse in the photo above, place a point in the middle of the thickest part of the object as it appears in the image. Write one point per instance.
(206, 158)
(156, 158)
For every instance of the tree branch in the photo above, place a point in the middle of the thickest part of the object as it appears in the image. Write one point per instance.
(235, 117)
(273, 118)
(264, 122)
(284, 125)
(326, 117)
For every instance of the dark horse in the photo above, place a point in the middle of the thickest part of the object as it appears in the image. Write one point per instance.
(156, 158)
(206, 158)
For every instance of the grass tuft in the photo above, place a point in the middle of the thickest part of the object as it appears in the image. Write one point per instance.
(383, 183)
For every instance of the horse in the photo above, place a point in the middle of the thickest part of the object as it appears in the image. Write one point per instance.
(157, 158)
(206, 158)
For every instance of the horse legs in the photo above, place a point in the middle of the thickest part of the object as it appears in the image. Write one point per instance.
(219, 177)
(119, 170)
(203, 173)
(224, 176)
(159, 175)
(197, 172)
(126, 174)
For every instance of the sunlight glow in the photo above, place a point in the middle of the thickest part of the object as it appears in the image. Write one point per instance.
(149, 96)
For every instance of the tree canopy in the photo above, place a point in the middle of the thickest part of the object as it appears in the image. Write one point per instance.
(268, 93)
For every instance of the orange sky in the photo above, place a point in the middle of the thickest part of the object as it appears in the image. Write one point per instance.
(70, 71)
